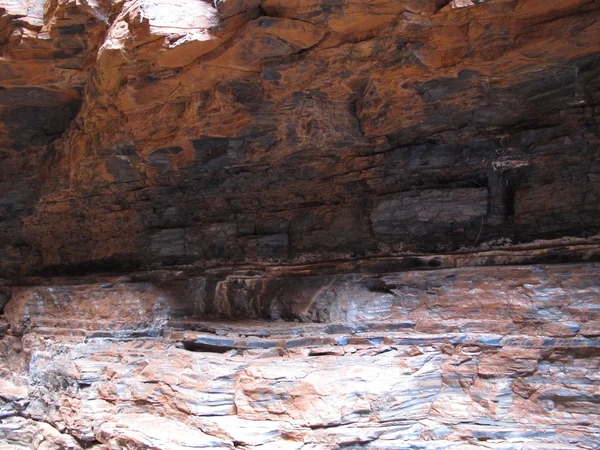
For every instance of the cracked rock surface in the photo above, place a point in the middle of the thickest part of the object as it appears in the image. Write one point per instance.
(489, 357)
(307, 224)
(139, 134)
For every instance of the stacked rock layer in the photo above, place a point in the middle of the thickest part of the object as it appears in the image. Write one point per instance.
(308, 224)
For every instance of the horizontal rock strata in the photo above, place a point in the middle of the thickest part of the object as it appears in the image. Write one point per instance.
(142, 134)
(307, 224)
(501, 357)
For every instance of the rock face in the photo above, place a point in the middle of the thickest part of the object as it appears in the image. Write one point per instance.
(308, 224)
(150, 133)
(501, 357)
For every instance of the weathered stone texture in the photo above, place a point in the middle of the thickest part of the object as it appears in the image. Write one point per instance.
(145, 133)
(501, 357)
(307, 224)
(422, 212)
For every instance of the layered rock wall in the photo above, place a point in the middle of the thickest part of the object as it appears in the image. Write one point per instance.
(503, 357)
(311, 224)
(203, 133)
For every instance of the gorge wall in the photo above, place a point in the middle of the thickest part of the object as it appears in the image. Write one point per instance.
(308, 224)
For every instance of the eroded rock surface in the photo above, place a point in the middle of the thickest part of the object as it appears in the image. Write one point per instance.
(145, 133)
(494, 357)
(308, 224)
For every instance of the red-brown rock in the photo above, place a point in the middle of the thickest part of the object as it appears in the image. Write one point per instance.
(308, 224)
